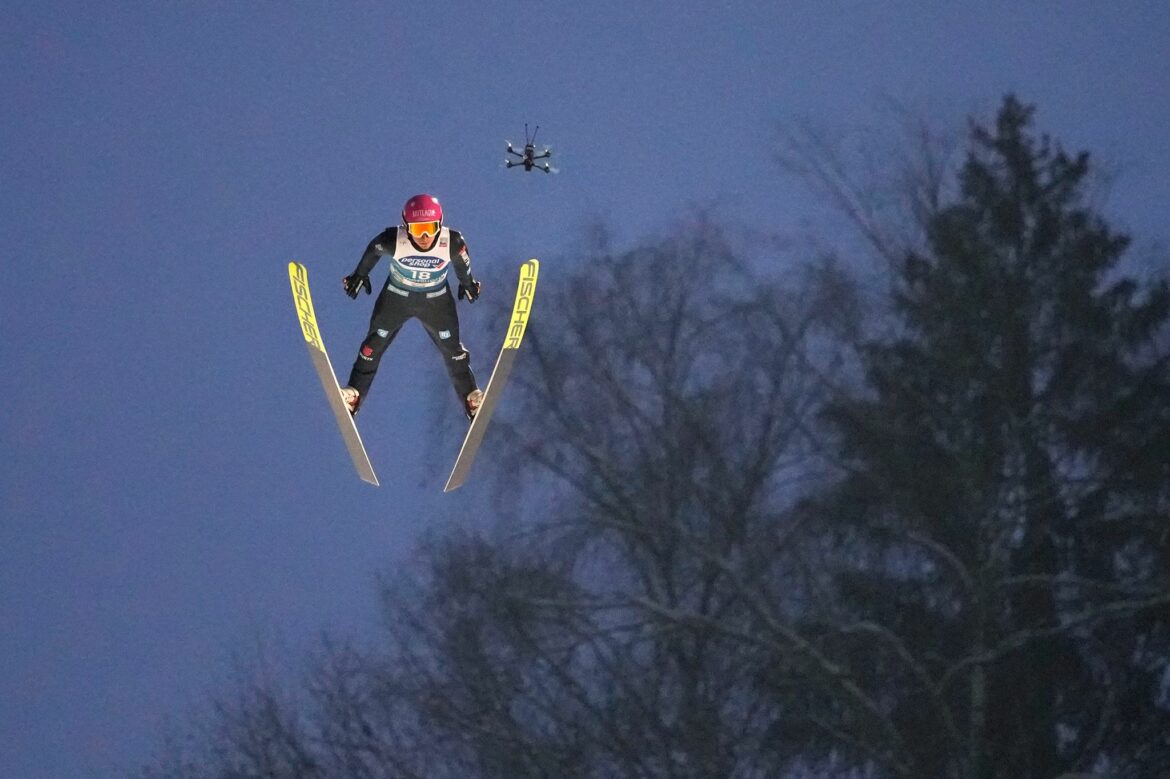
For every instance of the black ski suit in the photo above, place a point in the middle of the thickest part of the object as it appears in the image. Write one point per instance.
(433, 306)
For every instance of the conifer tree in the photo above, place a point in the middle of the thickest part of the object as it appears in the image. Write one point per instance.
(1009, 463)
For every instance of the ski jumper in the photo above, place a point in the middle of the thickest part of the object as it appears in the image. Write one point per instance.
(416, 288)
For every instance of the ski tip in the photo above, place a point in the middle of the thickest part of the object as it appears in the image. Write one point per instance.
(298, 273)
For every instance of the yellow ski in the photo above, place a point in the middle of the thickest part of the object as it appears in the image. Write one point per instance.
(299, 278)
(525, 292)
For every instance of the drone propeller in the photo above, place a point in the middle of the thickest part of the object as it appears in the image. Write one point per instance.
(560, 160)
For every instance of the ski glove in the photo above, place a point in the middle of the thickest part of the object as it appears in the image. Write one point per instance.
(471, 292)
(356, 282)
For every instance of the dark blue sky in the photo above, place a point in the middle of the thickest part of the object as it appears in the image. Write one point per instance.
(171, 484)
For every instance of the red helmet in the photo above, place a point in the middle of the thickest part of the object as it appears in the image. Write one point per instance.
(423, 216)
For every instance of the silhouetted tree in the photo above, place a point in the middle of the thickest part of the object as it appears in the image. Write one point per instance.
(1002, 523)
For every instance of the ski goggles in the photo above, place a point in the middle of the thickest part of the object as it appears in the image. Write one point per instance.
(421, 230)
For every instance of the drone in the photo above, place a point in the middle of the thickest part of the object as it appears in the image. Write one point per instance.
(529, 157)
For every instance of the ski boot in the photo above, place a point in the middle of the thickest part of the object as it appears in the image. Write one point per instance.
(351, 398)
(473, 401)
